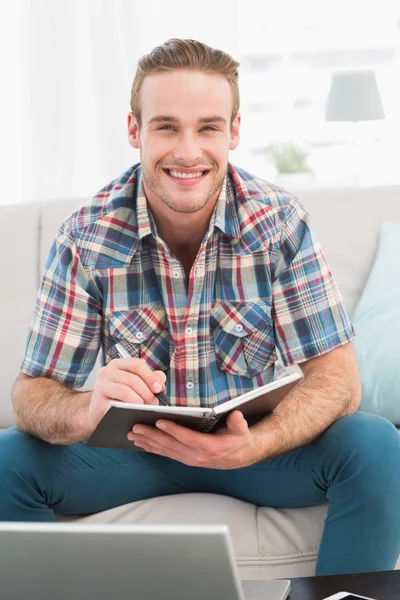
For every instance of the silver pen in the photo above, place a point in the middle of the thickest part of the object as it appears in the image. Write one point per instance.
(124, 354)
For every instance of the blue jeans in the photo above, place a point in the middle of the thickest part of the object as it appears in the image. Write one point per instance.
(355, 465)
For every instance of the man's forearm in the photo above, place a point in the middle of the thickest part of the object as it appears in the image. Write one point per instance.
(50, 411)
(319, 400)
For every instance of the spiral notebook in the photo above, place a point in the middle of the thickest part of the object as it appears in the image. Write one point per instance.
(120, 417)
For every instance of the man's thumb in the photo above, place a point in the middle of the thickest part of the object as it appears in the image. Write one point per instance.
(236, 422)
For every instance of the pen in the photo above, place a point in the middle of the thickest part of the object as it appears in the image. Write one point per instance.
(124, 354)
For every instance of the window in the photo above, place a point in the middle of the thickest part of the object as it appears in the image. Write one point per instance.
(288, 56)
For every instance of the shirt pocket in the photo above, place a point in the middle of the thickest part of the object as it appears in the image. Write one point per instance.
(143, 333)
(243, 336)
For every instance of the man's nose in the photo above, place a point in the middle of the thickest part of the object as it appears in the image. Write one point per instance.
(187, 148)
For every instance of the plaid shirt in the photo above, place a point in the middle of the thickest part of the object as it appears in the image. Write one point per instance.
(259, 283)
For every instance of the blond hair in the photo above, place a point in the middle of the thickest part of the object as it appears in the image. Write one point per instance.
(185, 54)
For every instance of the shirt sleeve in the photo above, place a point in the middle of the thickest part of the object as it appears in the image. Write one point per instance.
(64, 336)
(308, 312)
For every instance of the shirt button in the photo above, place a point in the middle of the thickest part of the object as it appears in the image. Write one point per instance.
(190, 385)
(189, 330)
(139, 335)
(239, 327)
(176, 274)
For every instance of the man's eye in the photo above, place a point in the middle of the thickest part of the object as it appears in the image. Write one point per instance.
(170, 128)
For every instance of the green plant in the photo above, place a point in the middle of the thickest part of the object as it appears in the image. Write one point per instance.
(288, 158)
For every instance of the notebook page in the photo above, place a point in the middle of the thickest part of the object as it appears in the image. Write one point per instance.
(268, 387)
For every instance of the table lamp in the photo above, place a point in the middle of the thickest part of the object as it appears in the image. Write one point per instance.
(354, 96)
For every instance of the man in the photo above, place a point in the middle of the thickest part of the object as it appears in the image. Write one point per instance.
(201, 271)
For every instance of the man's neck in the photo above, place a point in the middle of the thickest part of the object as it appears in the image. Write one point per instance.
(184, 243)
(182, 232)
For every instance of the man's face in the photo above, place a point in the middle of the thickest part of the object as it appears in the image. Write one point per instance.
(185, 137)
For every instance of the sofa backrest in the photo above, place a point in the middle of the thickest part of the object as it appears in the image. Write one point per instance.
(19, 234)
(346, 221)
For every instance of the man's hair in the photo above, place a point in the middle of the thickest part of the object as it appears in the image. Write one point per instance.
(177, 54)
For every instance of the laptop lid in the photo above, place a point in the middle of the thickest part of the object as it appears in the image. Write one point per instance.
(70, 561)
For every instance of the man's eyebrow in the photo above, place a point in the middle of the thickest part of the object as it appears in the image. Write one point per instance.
(170, 119)
(213, 119)
(163, 118)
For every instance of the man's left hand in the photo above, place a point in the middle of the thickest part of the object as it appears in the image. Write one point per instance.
(232, 447)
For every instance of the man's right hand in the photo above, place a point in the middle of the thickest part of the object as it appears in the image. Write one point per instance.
(125, 380)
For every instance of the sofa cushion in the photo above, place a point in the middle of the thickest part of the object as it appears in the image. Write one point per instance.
(268, 542)
(19, 234)
(377, 326)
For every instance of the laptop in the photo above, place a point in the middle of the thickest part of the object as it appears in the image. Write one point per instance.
(72, 561)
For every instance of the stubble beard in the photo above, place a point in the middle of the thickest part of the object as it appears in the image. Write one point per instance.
(192, 203)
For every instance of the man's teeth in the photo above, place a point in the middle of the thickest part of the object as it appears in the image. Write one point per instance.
(185, 175)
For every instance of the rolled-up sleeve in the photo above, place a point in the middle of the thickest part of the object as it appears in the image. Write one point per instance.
(309, 316)
(64, 336)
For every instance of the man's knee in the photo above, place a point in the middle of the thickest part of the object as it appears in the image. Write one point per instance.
(20, 452)
(368, 432)
(368, 445)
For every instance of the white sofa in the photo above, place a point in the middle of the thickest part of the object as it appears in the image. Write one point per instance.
(268, 543)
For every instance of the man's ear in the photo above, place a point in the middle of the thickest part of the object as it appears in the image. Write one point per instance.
(235, 136)
(133, 131)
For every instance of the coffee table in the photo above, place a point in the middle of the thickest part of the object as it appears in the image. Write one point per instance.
(384, 585)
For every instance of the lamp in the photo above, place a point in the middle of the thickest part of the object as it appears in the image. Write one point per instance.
(354, 96)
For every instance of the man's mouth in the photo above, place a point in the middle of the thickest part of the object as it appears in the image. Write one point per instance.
(188, 175)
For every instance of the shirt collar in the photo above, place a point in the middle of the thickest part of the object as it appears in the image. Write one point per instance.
(225, 216)
(145, 221)
(233, 215)
(226, 212)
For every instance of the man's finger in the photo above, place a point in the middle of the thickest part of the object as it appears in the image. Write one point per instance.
(156, 441)
(135, 383)
(236, 423)
(154, 380)
(155, 435)
(186, 436)
(113, 390)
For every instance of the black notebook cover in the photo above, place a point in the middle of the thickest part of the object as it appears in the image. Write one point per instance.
(118, 421)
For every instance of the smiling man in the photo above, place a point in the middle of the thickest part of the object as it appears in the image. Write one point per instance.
(184, 130)
(203, 272)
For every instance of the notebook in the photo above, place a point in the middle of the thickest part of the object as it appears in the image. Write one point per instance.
(120, 417)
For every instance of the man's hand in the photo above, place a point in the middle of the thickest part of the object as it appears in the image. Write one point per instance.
(232, 447)
(125, 380)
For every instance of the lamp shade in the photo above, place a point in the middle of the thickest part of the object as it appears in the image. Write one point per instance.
(354, 96)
